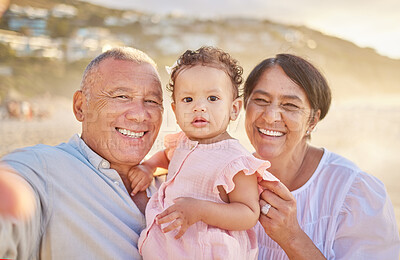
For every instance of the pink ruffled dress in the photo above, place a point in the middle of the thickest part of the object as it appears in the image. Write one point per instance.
(196, 170)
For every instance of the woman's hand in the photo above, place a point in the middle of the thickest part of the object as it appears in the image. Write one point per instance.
(281, 224)
(184, 213)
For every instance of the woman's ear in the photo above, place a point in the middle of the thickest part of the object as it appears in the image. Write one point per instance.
(236, 107)
(314, 120)
(78, 102)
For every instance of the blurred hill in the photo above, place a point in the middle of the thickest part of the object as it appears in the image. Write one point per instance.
(350, 70)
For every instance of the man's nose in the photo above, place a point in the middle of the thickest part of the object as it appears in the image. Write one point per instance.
(137, 112)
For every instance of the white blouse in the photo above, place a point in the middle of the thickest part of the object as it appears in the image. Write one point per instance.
(347, 213)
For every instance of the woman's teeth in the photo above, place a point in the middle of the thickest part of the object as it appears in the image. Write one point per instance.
(270, 132)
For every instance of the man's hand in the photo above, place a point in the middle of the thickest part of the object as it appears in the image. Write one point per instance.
(140, 177)
(16, 195)
(184, 213)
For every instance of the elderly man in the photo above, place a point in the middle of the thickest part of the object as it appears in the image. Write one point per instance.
(72, 201)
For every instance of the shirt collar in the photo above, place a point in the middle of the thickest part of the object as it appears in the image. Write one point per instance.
(96, 160)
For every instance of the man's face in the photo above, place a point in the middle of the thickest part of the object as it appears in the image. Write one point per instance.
(122, 113)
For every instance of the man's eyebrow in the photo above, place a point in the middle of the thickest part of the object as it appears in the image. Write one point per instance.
(117, 90)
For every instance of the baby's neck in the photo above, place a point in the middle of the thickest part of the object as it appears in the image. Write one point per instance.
(221, 137)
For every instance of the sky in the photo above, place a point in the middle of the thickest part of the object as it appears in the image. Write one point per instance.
(367, 23)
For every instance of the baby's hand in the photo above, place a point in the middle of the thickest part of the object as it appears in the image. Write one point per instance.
(184, 213)
(140, 177)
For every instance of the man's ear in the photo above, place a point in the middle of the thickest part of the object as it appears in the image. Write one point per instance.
(78, 103)
(236, 107)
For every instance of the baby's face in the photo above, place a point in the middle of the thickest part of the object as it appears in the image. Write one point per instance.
(204, 103)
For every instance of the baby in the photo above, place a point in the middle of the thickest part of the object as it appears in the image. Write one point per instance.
(207, 207)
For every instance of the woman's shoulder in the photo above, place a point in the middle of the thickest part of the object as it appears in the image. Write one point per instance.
(341, 173)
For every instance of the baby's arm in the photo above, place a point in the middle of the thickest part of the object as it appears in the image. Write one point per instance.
(240, 214)
(141, 176)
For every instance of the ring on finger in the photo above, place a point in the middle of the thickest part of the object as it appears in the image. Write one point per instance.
(265, 208)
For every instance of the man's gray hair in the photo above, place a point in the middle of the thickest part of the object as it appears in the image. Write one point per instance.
(90, 76)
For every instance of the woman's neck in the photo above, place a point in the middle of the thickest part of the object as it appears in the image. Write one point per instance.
(296, 169)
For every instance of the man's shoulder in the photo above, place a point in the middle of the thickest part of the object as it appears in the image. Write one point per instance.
(30, 153)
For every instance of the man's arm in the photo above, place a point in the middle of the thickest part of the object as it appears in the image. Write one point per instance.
(17, 198)
(19, 216)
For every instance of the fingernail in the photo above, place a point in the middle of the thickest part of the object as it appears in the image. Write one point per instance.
(132, 194)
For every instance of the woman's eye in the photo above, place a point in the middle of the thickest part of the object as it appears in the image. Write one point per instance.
(212, 98)
(260, 101)
(290, 106)
(187, 99)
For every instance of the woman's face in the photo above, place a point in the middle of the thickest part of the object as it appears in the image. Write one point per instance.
(277, 116)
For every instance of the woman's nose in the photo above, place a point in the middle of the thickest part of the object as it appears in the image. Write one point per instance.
(272, 113)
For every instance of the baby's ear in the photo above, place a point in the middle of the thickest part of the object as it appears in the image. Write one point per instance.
(173, 106)
(236, 107)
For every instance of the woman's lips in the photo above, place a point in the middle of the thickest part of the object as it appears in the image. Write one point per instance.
(272, 133)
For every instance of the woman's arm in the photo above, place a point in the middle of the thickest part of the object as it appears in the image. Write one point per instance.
(281, 223)
(240, 214)
(366, 225)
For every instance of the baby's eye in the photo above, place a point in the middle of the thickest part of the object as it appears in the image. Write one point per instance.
(187, 99)
(212, 98)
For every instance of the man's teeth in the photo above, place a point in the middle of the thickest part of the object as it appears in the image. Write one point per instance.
(270, 133)
(128, 133)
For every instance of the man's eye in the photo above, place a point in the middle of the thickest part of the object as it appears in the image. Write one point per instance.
(122, 97)
(187, 99)
(212, 98)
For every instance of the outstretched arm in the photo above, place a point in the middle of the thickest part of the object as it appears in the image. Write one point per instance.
(240, 214)
(17, 198)
(141, 176)
(19, 216)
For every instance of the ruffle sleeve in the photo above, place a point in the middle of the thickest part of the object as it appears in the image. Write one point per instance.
(366, 225)
(249, 165)
(171, 142)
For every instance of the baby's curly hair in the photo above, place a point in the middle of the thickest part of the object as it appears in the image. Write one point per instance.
(208, 56)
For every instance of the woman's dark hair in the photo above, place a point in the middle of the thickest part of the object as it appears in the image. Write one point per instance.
(301, 72)
(208, 56)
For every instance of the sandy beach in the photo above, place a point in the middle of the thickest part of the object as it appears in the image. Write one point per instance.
(366, 131)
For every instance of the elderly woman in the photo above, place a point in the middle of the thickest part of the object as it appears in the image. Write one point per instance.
(324, 206)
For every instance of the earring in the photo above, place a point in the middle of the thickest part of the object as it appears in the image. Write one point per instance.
(308, 132)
